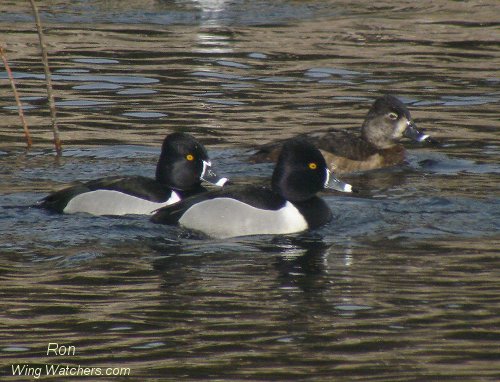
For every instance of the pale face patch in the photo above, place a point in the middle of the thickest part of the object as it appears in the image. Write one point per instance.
(109, 202)
(225, 217)
(400, 128)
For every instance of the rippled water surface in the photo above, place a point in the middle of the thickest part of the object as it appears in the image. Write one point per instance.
(403, 285)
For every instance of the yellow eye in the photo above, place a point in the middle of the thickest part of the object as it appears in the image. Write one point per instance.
(313, 166)
(190, 157)
(393, 116)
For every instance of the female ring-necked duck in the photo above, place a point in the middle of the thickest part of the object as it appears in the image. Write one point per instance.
(182, 166)
(290, 205)
(387, 122)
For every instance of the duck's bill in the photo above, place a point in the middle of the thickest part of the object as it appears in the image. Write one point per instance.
(333, 183)
(412, 133)
(209, 175)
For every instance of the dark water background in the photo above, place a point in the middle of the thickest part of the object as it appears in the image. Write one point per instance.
(403, 285)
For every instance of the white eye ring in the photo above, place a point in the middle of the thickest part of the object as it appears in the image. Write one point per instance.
(393, 116)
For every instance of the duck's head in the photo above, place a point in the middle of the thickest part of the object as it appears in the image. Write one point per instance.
(388, 121)
(184, 163)
(301, 172)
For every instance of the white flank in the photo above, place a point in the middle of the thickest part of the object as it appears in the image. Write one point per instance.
(108, 202)
(226, 217)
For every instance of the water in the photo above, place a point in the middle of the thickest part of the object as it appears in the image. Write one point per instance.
(401, 286)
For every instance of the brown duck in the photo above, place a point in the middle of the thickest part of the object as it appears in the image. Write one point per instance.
(387, 122)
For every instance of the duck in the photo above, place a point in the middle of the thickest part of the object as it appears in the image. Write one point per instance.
(376, 146)
(182, 166)
(289, 205)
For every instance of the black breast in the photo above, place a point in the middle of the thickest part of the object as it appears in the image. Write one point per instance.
(315, 211)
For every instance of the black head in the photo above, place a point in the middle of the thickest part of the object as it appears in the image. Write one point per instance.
(301, 172)
(387, 122)
(183, 162)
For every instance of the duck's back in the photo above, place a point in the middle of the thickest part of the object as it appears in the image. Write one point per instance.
(343, 150)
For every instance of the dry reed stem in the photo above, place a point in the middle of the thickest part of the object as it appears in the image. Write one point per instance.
(48, 79)
(29, 142)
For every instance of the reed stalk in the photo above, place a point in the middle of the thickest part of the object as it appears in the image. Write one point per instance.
(48, 79)
(20, 111)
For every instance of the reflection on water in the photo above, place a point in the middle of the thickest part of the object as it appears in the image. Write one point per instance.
(400, 286)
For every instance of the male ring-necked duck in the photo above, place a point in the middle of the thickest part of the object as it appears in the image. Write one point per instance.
(289, 206)
(182, 166)
(387, 122)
